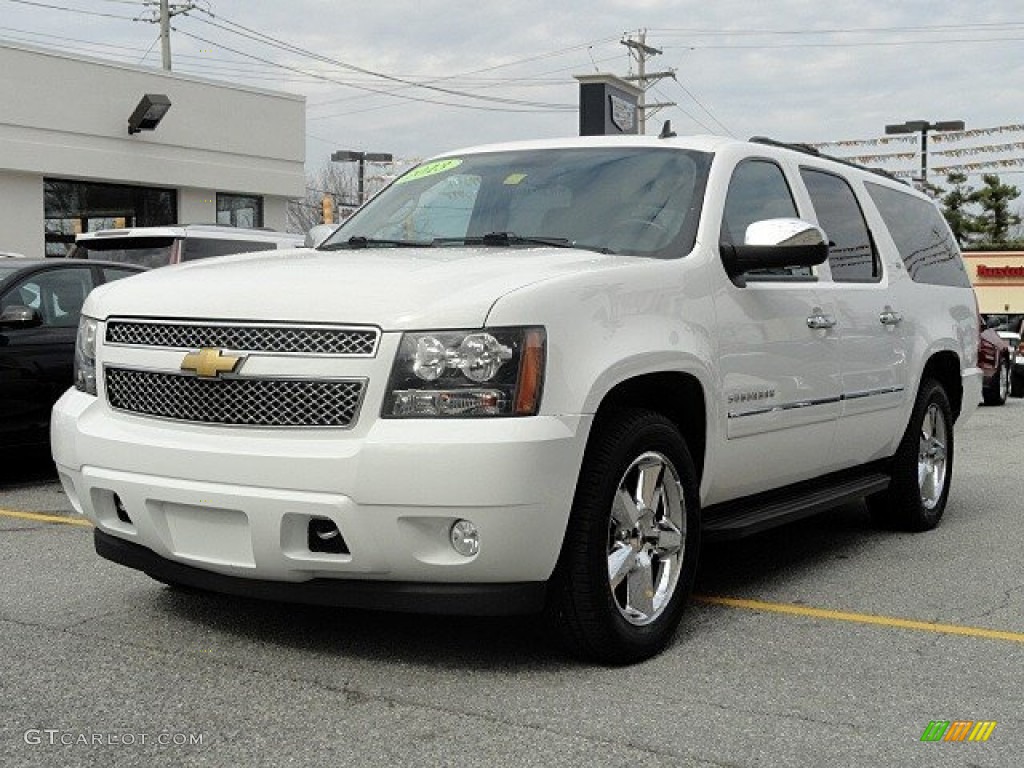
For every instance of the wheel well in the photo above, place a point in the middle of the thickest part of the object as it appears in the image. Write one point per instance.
(944, 367)
(678, 396)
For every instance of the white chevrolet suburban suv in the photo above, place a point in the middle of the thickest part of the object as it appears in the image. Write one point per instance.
(530, 377)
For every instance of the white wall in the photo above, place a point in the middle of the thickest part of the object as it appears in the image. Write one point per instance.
(21, 214)
(67, 117)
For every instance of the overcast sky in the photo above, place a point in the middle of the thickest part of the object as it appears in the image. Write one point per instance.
(797, 70)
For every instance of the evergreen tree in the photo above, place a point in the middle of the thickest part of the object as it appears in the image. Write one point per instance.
(954, 207)
(995, 219)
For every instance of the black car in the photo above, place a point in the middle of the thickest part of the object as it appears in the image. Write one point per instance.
(40, 303)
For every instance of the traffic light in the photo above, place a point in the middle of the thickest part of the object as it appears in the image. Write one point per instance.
(328, 209)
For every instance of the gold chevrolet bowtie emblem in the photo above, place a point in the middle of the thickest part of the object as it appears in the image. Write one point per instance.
(209, 363)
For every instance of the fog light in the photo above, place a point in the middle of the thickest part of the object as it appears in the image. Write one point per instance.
(323, 536)
(464, 538)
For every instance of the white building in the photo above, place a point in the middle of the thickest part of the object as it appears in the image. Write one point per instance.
(222, 153)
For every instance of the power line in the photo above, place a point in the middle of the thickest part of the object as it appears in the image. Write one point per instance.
(71, 10)
(64, 39)
(718, 32)
(707, 111)
(275, 42)
(834, 44)
(390, 106)
(527, 60)
(692, 117)
(363, 87)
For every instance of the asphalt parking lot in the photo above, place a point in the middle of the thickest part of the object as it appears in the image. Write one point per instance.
(826, 643)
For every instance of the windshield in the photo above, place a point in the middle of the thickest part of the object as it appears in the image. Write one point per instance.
(637, 201)
(144, 251)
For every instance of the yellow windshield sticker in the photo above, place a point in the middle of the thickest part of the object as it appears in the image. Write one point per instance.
(430, 169)
(514, 178)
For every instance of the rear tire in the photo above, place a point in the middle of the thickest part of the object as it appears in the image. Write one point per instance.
(1017, 385)
(629, 556)
(997, 393)
(922, 467)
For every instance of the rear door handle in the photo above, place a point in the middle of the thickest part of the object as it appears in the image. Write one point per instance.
(820, 321)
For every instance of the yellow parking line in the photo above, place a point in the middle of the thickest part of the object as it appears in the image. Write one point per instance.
(862, 618)
(45, 518)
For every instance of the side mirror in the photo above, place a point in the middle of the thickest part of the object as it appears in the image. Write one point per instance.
(20, 316)
(774, 244)
(318, 234)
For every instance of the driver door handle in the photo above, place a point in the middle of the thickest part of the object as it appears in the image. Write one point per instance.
(890, 316)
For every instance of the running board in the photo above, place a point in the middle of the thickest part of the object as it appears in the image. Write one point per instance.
(753, 514)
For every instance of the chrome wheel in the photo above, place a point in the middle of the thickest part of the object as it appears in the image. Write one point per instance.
(646, 538)
(1004, 382)
(932, 459)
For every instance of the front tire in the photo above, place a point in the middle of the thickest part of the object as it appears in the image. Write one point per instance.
(922, 467)
(629, 557)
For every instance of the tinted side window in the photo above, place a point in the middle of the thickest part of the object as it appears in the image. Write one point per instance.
(757, 191)
(58, 295)
(204, 248)
(110, 274)
(922, 237)
(851, 254)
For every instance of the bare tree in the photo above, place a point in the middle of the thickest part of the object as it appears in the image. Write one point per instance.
(339, 182)
(335, 181)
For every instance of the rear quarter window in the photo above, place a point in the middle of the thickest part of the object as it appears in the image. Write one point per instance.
(922, 237)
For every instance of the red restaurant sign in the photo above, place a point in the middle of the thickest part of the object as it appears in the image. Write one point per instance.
(985, 271)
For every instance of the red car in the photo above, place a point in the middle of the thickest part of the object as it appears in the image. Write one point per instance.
(995, 358)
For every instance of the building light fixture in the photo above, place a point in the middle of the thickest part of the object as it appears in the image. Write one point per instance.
(148, 113)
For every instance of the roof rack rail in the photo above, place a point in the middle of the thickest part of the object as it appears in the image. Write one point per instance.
(807, 149)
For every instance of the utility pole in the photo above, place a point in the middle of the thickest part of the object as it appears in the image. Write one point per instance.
(165, 33)
(639, 50)
(162, 15)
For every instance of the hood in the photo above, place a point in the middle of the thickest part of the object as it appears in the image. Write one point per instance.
(393, 288)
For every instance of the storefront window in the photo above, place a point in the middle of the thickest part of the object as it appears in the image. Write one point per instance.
(239, 210)
(72, 207)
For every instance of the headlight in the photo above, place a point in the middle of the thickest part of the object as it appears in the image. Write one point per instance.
(490, 372)
(85, 356)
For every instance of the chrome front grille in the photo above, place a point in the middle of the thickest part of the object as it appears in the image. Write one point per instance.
(286, 339)
(236, 401)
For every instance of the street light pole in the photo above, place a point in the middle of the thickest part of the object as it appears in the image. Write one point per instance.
(923, 126)
(351, 155)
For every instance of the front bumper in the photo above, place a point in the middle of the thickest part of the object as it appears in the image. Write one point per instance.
(452, 599)
(237, 503)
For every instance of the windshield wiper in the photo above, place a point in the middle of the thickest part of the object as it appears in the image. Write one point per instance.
(511, 238)
(358, 241)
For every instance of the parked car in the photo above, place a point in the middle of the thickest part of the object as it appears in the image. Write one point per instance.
(160, 246)
(40, 306)
(531, 378)
(995, 358)
(1017, 354)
